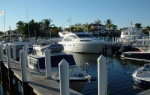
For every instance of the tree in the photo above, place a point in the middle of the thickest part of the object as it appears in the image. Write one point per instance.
(20, 26)
(46, 23)
(138, 25)
(108, 23)
(86, 27)
(97, 22)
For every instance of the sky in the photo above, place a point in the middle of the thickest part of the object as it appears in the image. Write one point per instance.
(120, 12)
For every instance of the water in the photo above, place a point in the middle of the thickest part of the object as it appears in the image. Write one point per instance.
(119, 74)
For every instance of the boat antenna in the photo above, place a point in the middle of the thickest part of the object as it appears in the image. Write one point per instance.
(28, 23)
(69, 20)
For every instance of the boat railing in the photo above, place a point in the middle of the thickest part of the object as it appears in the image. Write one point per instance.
(82, 70)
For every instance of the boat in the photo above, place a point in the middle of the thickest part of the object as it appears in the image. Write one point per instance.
(141, 76)
(82, 42)
(137, 55)
(134, 36)
(78, 77)
(13, 38)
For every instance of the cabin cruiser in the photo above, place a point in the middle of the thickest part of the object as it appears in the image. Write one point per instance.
(134, 36)
(77, 76)
(141, 76)
(13, 39)
(82, 42)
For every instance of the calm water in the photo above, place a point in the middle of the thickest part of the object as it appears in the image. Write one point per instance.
(119, 74)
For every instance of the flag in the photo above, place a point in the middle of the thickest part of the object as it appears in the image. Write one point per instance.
(1, 12)
(69, 19)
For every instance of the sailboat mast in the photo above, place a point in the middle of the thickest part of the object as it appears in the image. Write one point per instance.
(28, 24)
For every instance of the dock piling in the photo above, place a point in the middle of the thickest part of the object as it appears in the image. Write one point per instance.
(14, 51)
(1, 52)
(23, 65)
(64, 77)
(48, 63)
(8, 55)
(102, 75)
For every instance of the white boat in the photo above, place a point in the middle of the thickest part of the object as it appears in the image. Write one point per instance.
(78, 77)
(134, 36)
(83, 42)
(141, 76)
(13, 39)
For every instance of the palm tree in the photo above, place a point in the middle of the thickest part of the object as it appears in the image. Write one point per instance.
(97, 22)
(20, 26)
(108, 23)
(138, 25)
(46, 23)
(86, 27)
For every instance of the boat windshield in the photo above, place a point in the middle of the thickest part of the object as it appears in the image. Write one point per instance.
(146, 67)
(85, 35)
(6, 38)
(55, 60)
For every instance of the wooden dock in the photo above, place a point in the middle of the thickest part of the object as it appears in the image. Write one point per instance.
(146, 92)
(37, 84)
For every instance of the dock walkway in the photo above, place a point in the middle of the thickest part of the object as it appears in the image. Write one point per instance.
(36, 80)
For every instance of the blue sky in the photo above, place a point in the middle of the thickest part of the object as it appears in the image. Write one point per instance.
(121, 12)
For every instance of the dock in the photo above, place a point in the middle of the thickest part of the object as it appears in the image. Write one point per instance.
(146, 92)
(37, 83)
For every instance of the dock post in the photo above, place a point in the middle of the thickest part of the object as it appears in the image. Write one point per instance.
(24, 72)
(25, 50)
(14, 51)
(64, 77)
(10, 73)
(1, 52)
(8, 56)
(48, 63)
(102, 75)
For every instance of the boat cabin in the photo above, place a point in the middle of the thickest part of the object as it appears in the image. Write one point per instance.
(37, 62)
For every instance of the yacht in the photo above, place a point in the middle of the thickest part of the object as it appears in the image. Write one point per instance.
(141, 76)
(134, 36)
(82, 42)
(15, 39)
(77, 76)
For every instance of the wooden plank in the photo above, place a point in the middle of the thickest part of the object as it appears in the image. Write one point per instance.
(146, 92)
(37, 80)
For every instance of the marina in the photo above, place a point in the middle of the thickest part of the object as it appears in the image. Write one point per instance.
(119, 74)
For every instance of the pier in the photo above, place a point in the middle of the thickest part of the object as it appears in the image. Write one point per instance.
(37, 83)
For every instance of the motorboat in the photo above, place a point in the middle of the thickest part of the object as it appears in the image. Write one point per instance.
(39, 48)
(13, 39)
(141, 76)
(82, 42)
(78, 75)
(137, 55)
(134, 36)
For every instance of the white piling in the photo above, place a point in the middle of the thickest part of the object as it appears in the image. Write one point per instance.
(23, 65)
(8, 56)
(1, 51)
(64, 77)
(25, 50)
(102, 75)
(47, 63)
(14, 51)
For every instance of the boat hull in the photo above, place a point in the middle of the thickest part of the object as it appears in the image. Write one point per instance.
(139, 56)
(83, 47)
(141, 83)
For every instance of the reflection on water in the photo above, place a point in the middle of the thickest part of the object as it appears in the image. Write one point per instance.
(119, 74)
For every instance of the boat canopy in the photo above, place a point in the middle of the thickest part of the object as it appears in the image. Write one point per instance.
(55, 60)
